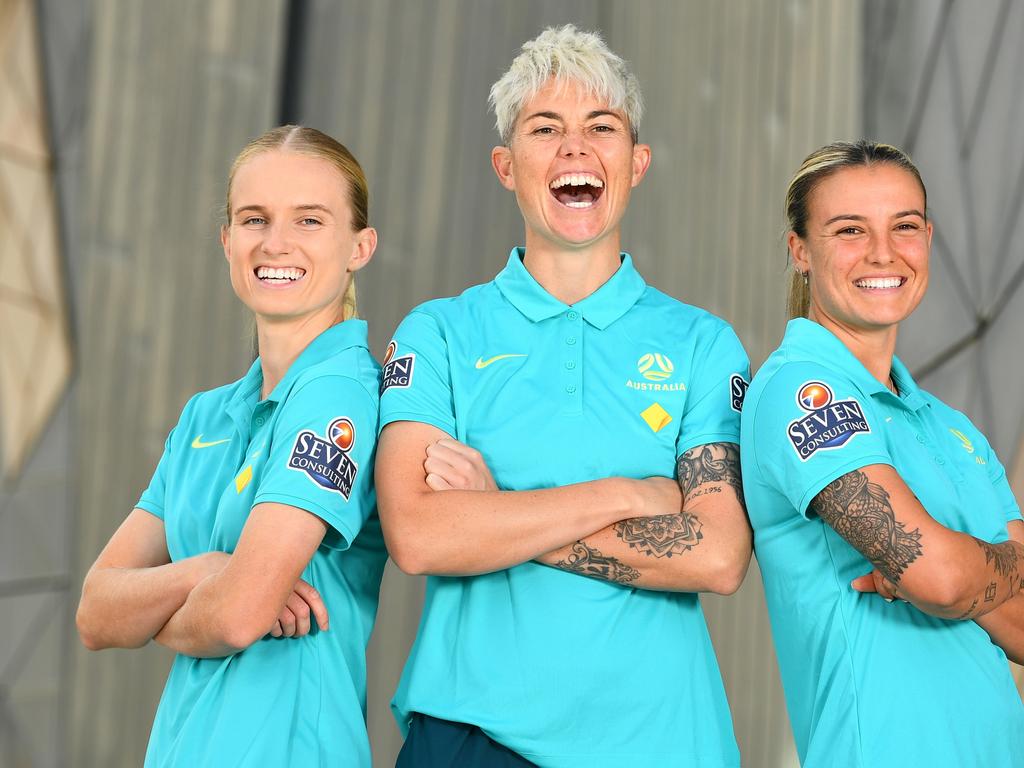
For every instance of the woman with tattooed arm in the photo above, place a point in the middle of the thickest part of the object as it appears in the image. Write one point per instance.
(888, 538)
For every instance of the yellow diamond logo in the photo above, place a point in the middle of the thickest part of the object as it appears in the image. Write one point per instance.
(657, 418)
(243, 479)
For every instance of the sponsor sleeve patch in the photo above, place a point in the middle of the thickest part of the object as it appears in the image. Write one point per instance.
(737, 391)
(397, 371)
(325, 460)
(827, 423)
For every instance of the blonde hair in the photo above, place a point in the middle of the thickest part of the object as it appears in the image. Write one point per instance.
(817, 167)
(310, 141)
(568, 55)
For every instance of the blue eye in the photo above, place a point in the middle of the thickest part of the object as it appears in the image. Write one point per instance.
(254, 220)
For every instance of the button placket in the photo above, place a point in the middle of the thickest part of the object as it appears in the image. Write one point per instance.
(572, 369)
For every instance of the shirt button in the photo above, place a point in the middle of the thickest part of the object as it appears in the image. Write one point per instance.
(572, 315)
(571, 340)
(260, 421)
(571, 389)
(570, 364)
(939, 460)
(920, 439)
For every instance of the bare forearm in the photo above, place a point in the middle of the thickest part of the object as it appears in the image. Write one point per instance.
(1005, 625)
(201, 625)
(126, 607)
(468, 532)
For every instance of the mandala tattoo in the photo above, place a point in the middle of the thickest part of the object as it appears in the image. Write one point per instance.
(860, 512)
(711, 463)
(662, 535)
(588, 561)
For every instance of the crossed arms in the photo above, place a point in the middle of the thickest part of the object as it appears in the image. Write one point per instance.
(940, 571)
(213, 604)
(443, 514)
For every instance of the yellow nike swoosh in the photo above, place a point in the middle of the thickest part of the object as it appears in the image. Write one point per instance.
(198, 442)
(481, 363)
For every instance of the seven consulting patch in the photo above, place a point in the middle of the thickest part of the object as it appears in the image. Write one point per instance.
(737, 391)
(827, 424)
(326, 461)
(397, 371)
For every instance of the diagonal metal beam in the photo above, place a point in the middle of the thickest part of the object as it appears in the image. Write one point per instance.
(924, 88)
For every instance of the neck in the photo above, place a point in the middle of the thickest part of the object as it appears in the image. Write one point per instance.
(281, 343)
(874, 348)
(571, 275)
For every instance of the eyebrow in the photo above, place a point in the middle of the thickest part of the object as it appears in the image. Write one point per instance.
(303, 207)
(590, 115)
(856, 217)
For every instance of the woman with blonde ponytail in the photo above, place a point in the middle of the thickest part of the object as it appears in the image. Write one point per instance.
(255, 553)
(889, 541)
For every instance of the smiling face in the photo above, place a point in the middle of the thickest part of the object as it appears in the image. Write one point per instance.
(289, 241)
(866, 248)
(572, 164)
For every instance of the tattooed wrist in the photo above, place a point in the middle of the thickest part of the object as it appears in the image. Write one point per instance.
(588, 561)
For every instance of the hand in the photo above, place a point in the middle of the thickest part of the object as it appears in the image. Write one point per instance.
(294, 619)
(658, 496)
(875, 582)
(451, 465)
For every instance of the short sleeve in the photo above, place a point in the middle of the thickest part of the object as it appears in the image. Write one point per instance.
(715, 395)
(152, 499)
(321, 455)
(811, 426)
(997, 476)
(416, 377)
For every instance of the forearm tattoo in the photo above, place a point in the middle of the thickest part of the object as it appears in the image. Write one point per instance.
(711, 463)
(860, 512)
(662, 535)
(1006, 563)
(588, 561)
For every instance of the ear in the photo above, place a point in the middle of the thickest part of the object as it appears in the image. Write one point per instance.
(798, 252)
(641, 162)
(362, 251)
(928, 229)
(501, 160)
(225, 241)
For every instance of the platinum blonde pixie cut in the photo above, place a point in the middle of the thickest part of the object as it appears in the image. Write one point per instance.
(568, 55)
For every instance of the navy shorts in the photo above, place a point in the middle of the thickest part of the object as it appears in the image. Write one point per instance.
(434, 743)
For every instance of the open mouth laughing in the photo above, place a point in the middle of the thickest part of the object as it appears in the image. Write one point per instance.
(577, 190)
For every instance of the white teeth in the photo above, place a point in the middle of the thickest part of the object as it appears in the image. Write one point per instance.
(879, 282)
(579, 205)
(279, 273)
(577, 180)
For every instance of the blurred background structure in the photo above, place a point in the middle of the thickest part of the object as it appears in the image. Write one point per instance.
(118, 121)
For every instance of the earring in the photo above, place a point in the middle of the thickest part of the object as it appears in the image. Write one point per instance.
(807, 277)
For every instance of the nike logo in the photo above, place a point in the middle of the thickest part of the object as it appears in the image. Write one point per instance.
(198, 442)
(481, 363)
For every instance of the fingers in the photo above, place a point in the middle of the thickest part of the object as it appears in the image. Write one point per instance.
(276, 630)
(458, 465)
(437, 483)
(300, 610)
(863, 583)
(314, 602)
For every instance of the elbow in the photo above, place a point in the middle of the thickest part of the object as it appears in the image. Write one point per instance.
(726, 576)
(88, 629)
(411, 560)
(238, 630)
(946, 596)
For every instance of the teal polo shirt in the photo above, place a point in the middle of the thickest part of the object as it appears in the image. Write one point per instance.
(871, 684)
(309, 444)
(561, 668)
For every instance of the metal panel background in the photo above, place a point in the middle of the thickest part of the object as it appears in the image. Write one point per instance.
(152, 100)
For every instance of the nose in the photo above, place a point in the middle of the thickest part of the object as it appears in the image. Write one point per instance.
(276, 239)
(883, 250)
(574, 144)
